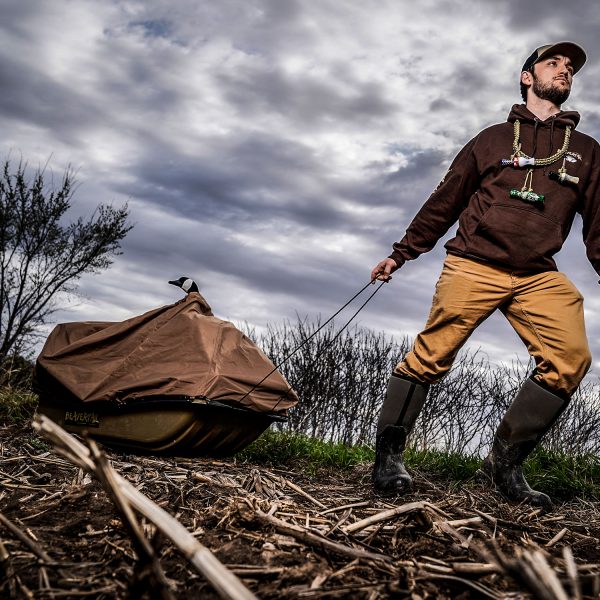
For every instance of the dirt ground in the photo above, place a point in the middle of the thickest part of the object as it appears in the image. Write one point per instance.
(284, 534)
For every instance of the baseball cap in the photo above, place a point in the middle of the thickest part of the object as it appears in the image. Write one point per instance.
(573, 51)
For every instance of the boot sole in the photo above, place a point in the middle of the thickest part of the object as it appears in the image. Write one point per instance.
(395, 487)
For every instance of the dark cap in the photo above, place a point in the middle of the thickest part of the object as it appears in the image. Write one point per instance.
(573, 51)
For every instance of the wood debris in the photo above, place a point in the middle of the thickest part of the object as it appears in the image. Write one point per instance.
(90, 523)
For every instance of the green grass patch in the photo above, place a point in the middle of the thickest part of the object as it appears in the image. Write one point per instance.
(17, 405)
(295, 450)
(455, 467)
(563, 475)
(285, 449)
(560, 475)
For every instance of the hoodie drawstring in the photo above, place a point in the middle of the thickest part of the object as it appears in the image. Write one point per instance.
(535, 131)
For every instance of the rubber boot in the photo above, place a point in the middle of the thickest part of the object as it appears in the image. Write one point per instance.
(403, 403)
(531, 414)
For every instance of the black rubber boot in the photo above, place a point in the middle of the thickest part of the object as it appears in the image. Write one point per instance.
(389, 473)
(531, 414)
(403, 403)
(504, 467)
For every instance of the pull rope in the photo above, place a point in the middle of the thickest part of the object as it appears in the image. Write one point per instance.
(302, 344)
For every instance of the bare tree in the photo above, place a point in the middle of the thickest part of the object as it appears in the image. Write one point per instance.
(41, 255)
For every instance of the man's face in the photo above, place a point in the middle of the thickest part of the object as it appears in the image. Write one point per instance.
(552, 78)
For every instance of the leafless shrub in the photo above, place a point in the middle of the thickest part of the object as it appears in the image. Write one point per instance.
(578, 430)
(341, 379)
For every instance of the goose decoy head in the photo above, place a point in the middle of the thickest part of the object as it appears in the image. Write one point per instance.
(186, 284)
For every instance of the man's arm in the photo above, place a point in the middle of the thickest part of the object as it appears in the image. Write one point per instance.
(591, 212)
(437, 215)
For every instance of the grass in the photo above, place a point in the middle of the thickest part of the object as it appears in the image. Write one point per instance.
(560, 475)
(300, 451)
(17, 405)
(291, 449)
(564, 475)
(451, 466)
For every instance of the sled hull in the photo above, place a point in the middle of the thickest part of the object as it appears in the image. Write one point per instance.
(163, 427)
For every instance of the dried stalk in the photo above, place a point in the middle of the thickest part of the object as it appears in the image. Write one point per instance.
(532, 569)
(317, 541)
(300, 491)
(150, 567)
(475, 568)
(478, 587)
(546, 574)
(33, 547)
(559, 536)
(7, 570)
(224, 581)
(387, 514)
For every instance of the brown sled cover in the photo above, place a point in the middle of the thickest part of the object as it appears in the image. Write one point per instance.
(180, 350)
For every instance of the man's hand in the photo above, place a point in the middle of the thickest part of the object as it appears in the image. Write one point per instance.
(384, 269)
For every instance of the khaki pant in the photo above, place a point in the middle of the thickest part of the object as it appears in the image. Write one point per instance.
(545, 309)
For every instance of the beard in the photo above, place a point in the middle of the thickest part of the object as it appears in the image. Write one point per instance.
(549, 91)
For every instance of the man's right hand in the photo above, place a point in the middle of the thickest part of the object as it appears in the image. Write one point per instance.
(384, 269)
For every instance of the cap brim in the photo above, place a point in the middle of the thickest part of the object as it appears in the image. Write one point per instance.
(573, 51)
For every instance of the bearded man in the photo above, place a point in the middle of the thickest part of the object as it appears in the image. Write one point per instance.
(514, 189)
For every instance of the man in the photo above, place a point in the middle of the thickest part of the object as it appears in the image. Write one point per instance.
(514, 215)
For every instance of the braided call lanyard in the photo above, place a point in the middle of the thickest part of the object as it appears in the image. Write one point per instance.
(519, 159)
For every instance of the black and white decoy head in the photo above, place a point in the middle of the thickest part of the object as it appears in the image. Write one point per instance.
(186, 284)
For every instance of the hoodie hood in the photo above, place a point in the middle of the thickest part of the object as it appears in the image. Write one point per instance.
(561, 119)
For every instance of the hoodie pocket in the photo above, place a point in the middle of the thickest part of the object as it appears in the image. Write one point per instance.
(522, 236)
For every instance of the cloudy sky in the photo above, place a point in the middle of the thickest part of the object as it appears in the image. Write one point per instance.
(275, 149)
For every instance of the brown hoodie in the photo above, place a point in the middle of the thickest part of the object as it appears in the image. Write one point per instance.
(498, 229)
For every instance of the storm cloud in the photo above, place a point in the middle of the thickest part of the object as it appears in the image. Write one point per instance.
(274, 149)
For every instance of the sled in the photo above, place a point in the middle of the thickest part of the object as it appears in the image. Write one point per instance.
(175, 380)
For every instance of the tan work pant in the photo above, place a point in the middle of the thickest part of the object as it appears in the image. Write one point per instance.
(545, 309)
